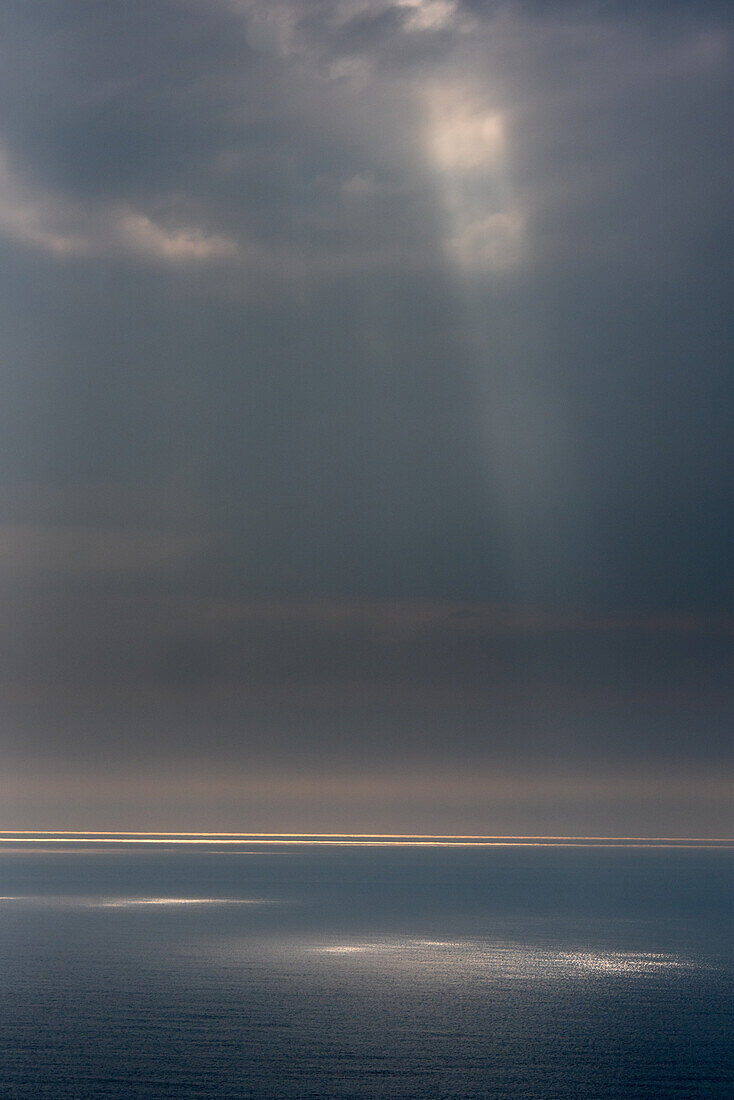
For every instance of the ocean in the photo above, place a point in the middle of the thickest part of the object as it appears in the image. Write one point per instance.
(402, 971)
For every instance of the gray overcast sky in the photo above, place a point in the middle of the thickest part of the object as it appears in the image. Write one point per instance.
(366, 415)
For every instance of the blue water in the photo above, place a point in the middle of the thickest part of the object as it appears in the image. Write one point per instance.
(366, 972)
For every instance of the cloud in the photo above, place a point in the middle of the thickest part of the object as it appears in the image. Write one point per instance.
(448, 351)
(63, 228)
(335, 32)
(462, 134)
(178, 245)
(429, 14)
(326, 653)
(488, 801)
(361, 183)
(37, 219)
(210, 156)
(32, 551)
(492, 243)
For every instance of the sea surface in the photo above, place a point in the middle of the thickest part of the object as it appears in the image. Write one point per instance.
(296, 970)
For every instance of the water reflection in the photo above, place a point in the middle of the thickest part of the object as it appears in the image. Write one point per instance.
(126, 902)
(506, 960)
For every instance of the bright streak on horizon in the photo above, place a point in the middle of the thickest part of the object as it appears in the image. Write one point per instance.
(9, 833)
(361, 840)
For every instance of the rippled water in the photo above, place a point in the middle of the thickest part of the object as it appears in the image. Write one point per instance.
(246, 972)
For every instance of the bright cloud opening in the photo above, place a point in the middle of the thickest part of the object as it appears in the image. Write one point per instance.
(462, 134)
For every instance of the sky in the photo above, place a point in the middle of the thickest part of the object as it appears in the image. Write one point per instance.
(366, 402)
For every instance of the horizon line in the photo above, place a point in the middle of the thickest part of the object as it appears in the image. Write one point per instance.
(91, 836)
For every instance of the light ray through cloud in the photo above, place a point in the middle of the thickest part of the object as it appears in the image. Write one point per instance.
(366, 416)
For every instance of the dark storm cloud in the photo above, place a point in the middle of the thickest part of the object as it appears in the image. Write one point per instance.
(330, 327)
(251, 220)
(143, 121)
